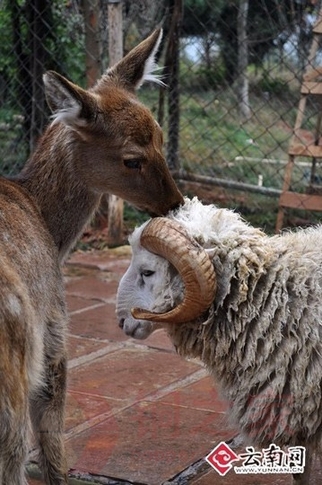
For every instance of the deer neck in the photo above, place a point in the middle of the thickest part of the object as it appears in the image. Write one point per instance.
(65, 201)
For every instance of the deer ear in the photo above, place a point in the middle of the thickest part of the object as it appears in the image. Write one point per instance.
(137, 66)
(69, 103)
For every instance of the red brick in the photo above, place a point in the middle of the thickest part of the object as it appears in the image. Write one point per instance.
(199, 395)
(98, 323)
(149, 442)
(130, 373)
(79, 346)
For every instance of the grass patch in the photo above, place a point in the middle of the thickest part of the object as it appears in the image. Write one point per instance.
(213, 142)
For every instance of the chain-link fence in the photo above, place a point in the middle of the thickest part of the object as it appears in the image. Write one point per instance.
(233, 71)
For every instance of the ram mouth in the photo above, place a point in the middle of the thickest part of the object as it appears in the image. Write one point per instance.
(140, 331)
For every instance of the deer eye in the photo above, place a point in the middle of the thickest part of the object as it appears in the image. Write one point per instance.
(134, 163)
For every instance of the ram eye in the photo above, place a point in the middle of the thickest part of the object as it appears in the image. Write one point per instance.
(134, 163)
(147, 273)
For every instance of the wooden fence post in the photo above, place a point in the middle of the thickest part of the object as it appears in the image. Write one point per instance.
(242, 81)
(115, 36)
(93, 44)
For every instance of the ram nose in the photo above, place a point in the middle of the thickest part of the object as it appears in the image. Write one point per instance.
(128, 326)
(136, 329)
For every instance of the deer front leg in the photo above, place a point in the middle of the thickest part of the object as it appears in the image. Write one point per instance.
(14, 432)
(14, 388)
(47, 416)
(14, 450)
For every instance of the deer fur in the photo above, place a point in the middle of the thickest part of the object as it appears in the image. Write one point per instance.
(101, 140)
(32, 333)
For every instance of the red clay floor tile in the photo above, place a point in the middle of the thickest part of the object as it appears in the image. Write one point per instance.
(148, 442)
(82, 409)
(80, 346)
(98, 286)
(198, 395)
(116, 260)
(129, 373)
(98, 323)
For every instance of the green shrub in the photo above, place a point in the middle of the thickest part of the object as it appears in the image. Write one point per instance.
(273, 85)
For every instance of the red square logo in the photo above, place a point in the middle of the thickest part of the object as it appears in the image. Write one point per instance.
(221, 457)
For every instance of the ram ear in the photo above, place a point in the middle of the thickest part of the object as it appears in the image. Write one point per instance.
(136, 67)
(69, 103)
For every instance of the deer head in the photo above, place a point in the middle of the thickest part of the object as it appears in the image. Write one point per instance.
(101, 140)
(121, 141)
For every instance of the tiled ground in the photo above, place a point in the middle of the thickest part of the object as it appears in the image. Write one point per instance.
(137, 412)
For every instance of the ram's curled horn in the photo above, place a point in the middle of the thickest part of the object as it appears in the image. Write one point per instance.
(168, 239)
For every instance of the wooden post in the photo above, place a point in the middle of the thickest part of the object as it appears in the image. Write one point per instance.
(242, 82)
(93, 45)
(115, 37)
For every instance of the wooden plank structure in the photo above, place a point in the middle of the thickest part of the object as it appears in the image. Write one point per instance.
(304, 143)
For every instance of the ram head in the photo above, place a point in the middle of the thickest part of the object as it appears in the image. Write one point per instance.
(170, 280)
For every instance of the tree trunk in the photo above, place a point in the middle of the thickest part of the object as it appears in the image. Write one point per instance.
(115, 204)
(242, 81)
(93, 44)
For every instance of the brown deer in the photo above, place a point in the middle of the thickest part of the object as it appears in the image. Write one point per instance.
(101, 140)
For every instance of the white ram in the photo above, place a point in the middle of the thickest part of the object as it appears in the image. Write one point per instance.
(248, 305)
